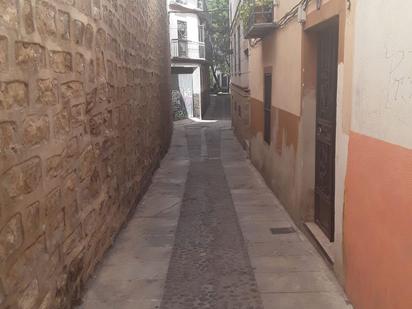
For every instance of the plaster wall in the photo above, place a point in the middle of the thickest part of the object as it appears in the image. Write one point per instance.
(196, 81)
(281, 54)
(277, 161)
(382, 93)
(344, 107)
(243, 78)
(239, 78)
(240, 83)
(291, 55)
(241, 115)
(256, 73)
(377, 225)
(378, 184)
(284, 51)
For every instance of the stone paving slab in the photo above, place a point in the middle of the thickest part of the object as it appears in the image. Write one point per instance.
(289, 271)
(133, 273)
(296, 282)
(201, 238)
(210, 267)
(316, 300)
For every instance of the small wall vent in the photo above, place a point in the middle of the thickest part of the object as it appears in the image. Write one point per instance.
(282, 230)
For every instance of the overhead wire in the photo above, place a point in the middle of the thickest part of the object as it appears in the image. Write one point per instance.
(292, 13)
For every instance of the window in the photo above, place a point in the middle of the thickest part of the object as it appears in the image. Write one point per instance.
(182, 38)
(234, 54)
(202, 48)
(201, 33)
(239, 50)
(267, 108)
(231, 56)
(200, 4)
(181, 30)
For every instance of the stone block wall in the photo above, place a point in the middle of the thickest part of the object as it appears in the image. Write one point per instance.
(84, 120)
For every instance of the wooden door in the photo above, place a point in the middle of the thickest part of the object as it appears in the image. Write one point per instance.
(326, 129)
(267, 108)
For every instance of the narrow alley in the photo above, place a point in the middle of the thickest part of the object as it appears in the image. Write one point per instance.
(205, 154)
(210, 234)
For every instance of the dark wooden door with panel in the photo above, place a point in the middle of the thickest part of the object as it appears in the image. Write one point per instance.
(328, 41)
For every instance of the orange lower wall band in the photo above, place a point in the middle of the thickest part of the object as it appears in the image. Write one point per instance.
(378, 224)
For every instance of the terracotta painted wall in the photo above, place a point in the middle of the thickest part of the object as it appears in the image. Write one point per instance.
(377, 228)
(256, 116)
(378, 193)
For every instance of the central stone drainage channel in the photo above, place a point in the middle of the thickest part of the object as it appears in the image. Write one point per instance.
(210, 266)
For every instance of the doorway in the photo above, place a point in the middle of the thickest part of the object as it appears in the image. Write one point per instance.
(182, 92)
(267, 108)
(327, 66)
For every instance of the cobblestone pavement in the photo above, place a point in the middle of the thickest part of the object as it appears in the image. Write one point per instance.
(201, 238)
(210, 266)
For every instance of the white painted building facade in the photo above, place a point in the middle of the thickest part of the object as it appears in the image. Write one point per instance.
(188, 55)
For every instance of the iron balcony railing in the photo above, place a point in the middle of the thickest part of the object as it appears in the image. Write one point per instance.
(188, 49)
(260, 21)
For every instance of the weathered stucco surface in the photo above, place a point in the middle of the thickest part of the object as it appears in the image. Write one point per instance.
(280, 54)
(241, 113)
(378, 199)
(288, 164)
(382, 94)
(378, 246)
(84, 120)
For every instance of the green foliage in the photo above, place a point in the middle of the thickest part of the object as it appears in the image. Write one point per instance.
(247, 7)
(219, 33)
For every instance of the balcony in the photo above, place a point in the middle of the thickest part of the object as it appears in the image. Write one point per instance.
(260, 22)
(186, 4)
(188, 49)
